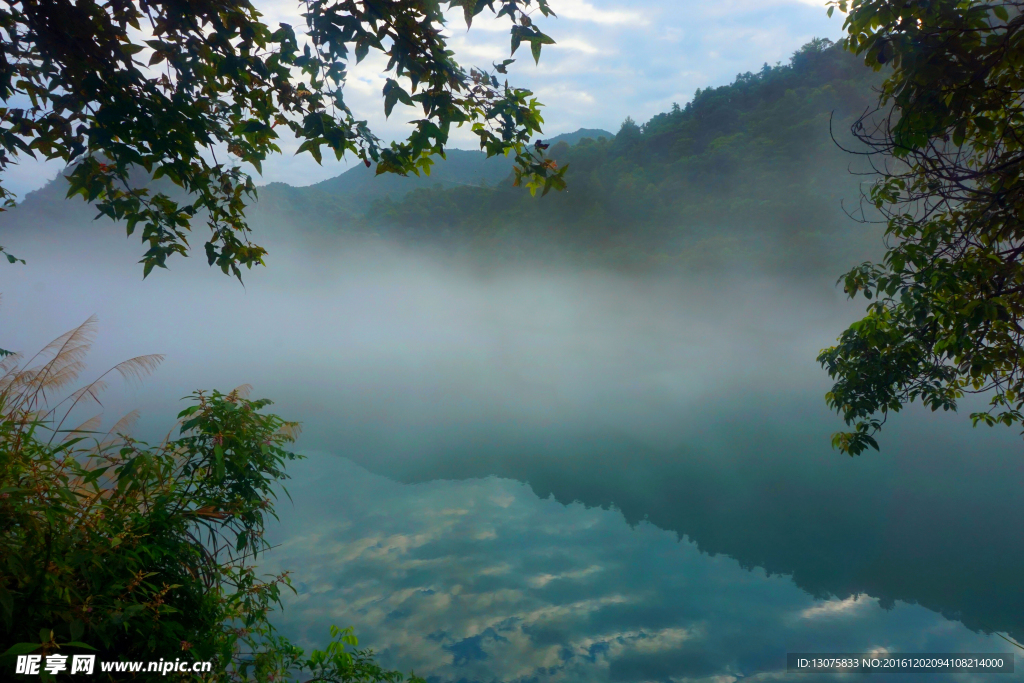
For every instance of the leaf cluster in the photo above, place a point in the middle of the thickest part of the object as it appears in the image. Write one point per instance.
(164, 86)
(947, 144)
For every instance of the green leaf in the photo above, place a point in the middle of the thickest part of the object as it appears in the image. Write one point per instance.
(313, 147)
(469, 10)
(390, 98)
(218, 454)
(21, 649)
(188, 411)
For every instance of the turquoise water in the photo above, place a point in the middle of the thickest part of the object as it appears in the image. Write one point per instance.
(605, 559)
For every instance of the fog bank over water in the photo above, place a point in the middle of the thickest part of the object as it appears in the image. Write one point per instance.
(376, 334)
(538, 439)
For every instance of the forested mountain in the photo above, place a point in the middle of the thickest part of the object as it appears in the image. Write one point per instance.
(346, 198)
(328, 204)
(745, 172)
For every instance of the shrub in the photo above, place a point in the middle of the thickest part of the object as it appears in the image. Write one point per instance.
(137, 552)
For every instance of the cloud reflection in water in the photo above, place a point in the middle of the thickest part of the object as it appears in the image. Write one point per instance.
(481, 580)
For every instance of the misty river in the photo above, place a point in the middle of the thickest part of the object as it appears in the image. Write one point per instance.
(563, 474)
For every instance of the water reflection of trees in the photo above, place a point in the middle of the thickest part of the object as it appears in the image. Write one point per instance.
(930, 521)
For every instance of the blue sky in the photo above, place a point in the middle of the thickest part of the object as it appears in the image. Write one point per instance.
(612, 59)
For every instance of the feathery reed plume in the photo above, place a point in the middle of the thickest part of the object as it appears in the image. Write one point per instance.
(291, 430)
(133, 369)
(124, 424)
(7, 365)
(68, 361)
(241, 391)
(91, 392)
(90, 425)
(25, 389)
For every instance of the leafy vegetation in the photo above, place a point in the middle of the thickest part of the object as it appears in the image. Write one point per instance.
(135, 552)
(948, 296)
(167, 87)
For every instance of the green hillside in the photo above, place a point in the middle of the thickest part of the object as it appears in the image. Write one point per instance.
(344, 199)
(328, 204)
(745, 172)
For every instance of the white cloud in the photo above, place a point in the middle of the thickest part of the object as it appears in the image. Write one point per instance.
(491, 51)
(837, 608)
(542, 580)
(485, 21)
(580, 10)
(576, 44)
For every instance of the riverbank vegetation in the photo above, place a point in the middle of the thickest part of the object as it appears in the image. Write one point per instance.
(136, 552)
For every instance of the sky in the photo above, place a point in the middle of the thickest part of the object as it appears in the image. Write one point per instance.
(612, 59)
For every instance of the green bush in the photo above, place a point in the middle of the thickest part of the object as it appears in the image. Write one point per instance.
(136, 552)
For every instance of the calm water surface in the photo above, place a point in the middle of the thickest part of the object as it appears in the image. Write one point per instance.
(556, 475)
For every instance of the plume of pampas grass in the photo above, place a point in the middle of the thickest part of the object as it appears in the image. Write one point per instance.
(290, 430)
(238, 392)
(124, 425)
(90, 425)
(26, 389)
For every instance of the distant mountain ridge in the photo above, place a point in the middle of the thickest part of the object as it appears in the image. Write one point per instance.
(344, 197)
(574, 137)
(460, 167)
(348, 197)
(745, 173)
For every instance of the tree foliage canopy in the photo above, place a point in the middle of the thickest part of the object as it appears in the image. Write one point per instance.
(948, 139)
(168, 86)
